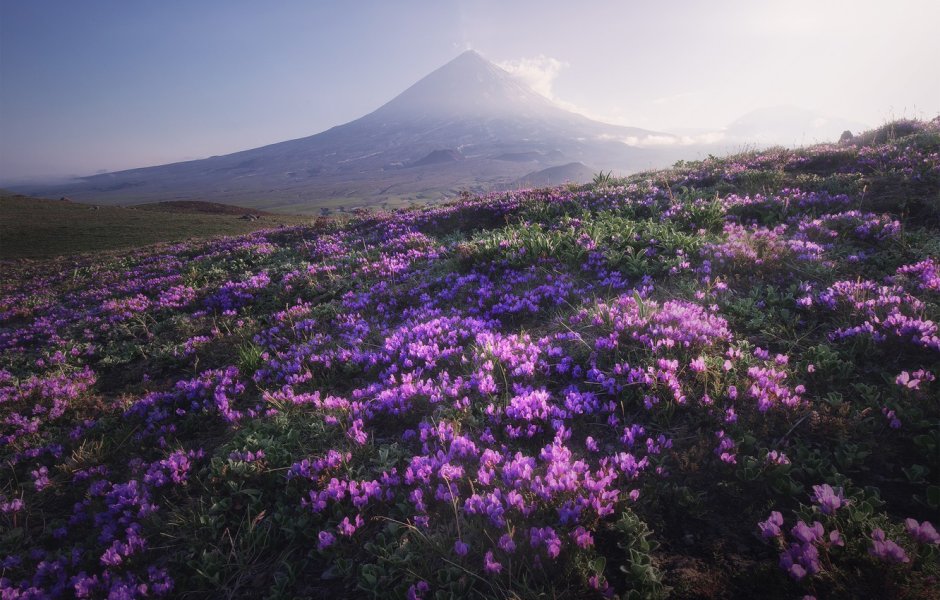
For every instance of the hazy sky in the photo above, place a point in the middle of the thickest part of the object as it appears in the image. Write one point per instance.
(105, 85)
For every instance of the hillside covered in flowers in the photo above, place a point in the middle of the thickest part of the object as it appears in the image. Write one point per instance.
(713, 381)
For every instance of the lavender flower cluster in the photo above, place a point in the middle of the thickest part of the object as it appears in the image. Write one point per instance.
(505, 374)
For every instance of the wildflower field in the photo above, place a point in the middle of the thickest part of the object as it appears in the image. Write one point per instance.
(713, 381)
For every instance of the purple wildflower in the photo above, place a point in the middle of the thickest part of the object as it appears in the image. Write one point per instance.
(326, 540)
(771, 527)
(490, 564)
(828, 499)
(923, 533)
(886, 549)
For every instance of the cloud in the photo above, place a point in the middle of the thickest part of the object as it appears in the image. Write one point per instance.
(708, 137)
(653, 140)
(681, 97)
(538, 73)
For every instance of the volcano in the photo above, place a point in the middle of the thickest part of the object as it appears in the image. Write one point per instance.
(468, 126)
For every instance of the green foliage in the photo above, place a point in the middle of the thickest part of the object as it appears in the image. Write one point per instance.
(759, 181)
(636, 248)
(602, 179)
(239, 527)
(249, 358)
(245, 533)
(643, 578)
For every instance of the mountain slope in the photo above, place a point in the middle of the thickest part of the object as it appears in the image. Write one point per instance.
(715, 381)
(575, 172)
(469, 105)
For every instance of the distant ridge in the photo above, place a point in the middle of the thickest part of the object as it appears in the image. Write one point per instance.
(575, 172)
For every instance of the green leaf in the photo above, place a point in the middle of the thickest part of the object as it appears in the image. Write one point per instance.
(915, 473)
(933, 496)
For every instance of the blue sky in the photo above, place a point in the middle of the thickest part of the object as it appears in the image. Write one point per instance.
(106, 85)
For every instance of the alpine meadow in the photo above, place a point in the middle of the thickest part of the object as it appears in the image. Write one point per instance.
(718, 377)
(470, 299)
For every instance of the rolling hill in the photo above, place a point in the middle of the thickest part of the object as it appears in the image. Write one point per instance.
(709, 382)
(38, 228)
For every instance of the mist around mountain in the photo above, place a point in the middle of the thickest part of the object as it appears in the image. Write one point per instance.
(789, 126)
(468, 126)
